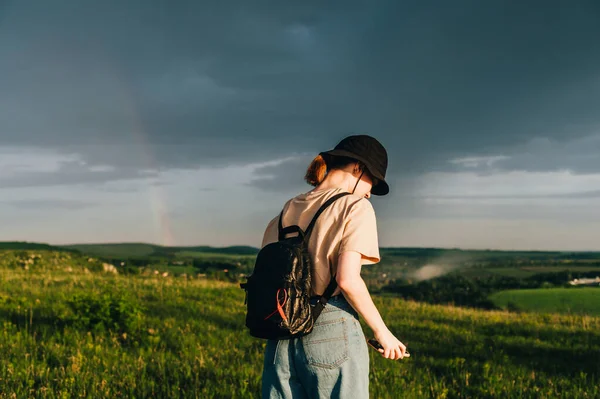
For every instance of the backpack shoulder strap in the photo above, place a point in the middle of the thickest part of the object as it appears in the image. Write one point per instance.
(324, 298)
(330, 201)
(282, 232)
(306, 233)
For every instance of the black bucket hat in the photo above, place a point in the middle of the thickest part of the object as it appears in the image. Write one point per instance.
(370, 152)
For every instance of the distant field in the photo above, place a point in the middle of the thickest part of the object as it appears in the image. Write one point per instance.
(515, 272)
(553, 269)
(497, 271)
(553, 300)
(525, 271)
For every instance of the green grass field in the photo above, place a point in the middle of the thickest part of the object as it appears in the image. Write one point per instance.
(70, 330)
(552, 300)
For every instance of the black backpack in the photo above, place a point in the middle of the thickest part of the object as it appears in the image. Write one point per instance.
(279, 289)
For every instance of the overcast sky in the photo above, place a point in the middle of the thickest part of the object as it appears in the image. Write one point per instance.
(191, 123)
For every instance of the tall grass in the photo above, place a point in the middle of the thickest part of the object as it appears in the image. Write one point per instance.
(69, 333)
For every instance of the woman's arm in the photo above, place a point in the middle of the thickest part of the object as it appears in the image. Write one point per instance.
(355, 290)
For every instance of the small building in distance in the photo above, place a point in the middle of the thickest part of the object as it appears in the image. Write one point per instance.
(585, 281)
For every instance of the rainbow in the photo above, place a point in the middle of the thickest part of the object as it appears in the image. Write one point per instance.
(158, 195)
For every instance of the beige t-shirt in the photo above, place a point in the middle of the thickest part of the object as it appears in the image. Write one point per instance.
(347, 225)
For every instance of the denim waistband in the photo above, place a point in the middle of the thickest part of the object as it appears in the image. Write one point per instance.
(337, 302)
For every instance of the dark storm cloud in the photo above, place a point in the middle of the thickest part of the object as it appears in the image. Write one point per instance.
(188, 83)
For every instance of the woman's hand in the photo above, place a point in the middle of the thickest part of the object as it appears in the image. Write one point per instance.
(356, 292)
(392, 348)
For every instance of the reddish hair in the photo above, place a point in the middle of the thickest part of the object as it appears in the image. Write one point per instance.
(320, 166)
(316, 171)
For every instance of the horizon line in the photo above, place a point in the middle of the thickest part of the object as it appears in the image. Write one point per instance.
(258, 248)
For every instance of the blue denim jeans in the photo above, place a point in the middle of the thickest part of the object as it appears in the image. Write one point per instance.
(330, 362)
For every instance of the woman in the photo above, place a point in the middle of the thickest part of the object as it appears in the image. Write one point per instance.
(333, 361)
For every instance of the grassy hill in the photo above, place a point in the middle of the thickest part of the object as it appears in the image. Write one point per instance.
(115, 250)
(22, 245)
(126, 250)
(68, 332)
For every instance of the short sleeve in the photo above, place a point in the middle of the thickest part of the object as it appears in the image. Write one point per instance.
(360, 232)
